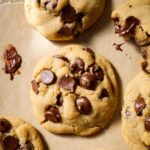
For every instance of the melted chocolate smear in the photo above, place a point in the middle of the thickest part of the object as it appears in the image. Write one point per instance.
(62, 58)
(129, 27)
(91, 52)
(52, 114)
(118, 46)
(144, 67)
(12, 61)
(139, 106)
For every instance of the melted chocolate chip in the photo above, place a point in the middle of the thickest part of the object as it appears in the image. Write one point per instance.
(67, 83)
(68, 14)
(144, 67)
(59, 100)
(129, 27)
(35, 86)
(12, 61)
(27, 146)
(139, 106)
(91, 52)
(77, 66)
(62, 57)
(47, 77)
(97, 72)
(65, 31)
(104, 93)
(147, 122)
(83, 105)
(9, 143)
(52, 114)
(87, 81)
(5, 125)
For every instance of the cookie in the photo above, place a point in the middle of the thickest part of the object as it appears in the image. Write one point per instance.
(132, 21)
(16, 134)
(62, 20)
(136, 113)
(74, 91)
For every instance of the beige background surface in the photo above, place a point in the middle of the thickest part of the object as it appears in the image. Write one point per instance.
(14, 95)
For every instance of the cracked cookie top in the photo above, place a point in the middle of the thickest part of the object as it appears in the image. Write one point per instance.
(136, 113)
(15, 134)
(74, 91)
(62, 19)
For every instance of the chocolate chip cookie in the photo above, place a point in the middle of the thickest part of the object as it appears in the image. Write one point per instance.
(15, 134)
(132, 21)
(74, 91)
(136, 113)
(62, 19)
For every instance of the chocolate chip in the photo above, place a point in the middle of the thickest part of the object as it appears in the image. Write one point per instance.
(79, 18)
(139, 106)
(62, 57)
(65, 31)
(83, 105)
(68, 14)
(147, 122)
(77, 66)
(87, 81)
(59, 100)
(148, 147)
(27, 146)
(47, 77)
(67, 83)
(91, 52)
(35, 86)
(97, 72)
(129, 27)
(104, 93)
(5, 125)
(9, 143)
(12, 61)
(52, 114)
(144, 66)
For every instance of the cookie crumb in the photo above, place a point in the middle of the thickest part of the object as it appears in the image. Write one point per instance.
(118, 46)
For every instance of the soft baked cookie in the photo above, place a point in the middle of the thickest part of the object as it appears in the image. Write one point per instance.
(136, 113)
(16, 134)
(62, 19)
(74, 92)
(132, 20)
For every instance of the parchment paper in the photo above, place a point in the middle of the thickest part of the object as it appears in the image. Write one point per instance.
(14, 95)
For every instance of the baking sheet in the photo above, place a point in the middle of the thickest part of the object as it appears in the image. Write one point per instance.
(14, 95)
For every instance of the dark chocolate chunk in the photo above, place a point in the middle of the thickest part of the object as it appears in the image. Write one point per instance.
(77, 66)
(147, 122)
(59, 100)
(67, 83)
(104, 93)
(139, 106)
(62, 57)
(5, 125)
(52, 114)
(65, 31)
(68, 14)
(35, 86)
(10, 143)
(47, 77)
(97, 72)
(12, 61)
(129, 27)
(87, 81)
(83, 105)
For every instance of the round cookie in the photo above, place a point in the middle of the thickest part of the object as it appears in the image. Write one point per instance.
(62, 19)
(16, 134)
(74, 92)
(136, 113)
